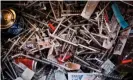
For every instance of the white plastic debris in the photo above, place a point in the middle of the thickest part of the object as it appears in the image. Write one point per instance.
(107, 44)
(28, 74)
(89, 9)
(60, 75)
(82, 76)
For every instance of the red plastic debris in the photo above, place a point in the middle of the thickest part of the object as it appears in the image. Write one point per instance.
(106, 17)
(127, 61)
(65, 59)
(27, 62)
(51, 26)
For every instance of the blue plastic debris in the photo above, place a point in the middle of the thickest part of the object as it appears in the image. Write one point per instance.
(15, 29)
(118, 16)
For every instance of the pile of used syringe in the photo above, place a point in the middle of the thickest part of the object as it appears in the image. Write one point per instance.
(66, 40)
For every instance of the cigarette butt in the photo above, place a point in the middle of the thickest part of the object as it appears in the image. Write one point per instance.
(72, 66)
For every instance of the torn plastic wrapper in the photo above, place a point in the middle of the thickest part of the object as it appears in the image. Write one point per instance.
(121, 42)
(82, 76)
(108, 66)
